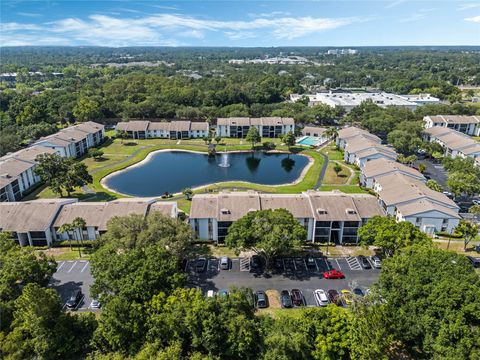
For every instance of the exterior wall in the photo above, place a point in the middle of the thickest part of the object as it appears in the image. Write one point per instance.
(224, 130)
(431, 222)
(360, 162)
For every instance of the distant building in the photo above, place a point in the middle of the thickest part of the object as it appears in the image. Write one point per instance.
(74, 141)
(268, 127)
(142, 129)
(327, 216)
(349, 100)
(342, 52)
(469, 125)
(421, 99)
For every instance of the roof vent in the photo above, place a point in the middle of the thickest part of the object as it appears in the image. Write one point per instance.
(250, 210)
(321, 211)
(350, 211)
(225, 211)
(5, 176)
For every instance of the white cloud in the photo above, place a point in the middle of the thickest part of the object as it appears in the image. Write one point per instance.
(468, 6)
(419, 15)
(163, 29)
(475, 19)
(394, 3)
(27, 14)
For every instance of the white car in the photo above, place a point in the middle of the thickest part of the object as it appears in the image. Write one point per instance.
(210, 293)
(321, 297)
(377, 263)
(95, 304)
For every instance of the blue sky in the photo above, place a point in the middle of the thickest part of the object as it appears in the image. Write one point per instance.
(240, 23)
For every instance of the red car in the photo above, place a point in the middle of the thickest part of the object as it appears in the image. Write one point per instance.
(333, 274)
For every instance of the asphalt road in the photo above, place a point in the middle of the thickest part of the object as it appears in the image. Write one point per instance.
(435, 171)
(70, 276)
(294, 275)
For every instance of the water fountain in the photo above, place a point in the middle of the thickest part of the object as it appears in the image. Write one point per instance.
(224, 160)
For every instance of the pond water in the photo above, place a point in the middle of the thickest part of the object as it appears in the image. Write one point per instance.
(173, 171)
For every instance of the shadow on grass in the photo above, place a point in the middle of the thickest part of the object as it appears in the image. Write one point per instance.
(130, 143)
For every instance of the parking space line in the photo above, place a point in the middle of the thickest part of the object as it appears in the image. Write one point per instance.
(370, 262)
(75, 263)
(85, 266)
(339, 267)
(284, 267)
(76, 307)
(294, 264)
(186, 265)
(327, 264)
(316, 265)
(61, 264)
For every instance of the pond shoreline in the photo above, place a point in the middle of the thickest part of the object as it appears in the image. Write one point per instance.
(197, 188)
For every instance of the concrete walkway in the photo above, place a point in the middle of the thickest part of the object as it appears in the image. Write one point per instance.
(352, 173)
(324, 166)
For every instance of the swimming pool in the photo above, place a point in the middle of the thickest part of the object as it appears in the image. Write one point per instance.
(309, 140)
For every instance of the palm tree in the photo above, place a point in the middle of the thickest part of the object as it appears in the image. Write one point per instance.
(331, 132)
(66, 228)
(79, 224)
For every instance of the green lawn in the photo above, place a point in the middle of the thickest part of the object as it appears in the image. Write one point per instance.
(119, 154)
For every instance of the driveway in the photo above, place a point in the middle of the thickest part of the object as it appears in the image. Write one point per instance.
(435, 171)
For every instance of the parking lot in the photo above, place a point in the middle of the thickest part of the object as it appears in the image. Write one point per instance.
(289, 273)
(70, 276)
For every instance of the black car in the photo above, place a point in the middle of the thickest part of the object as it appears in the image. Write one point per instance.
(262, 300)
(475, 261)
(358, 292)
(200, 265)
(255, 262)
(289, 265)
(74, 299)
(285, 299)
(310, 261)
(364, 262)
(334, 297)
(297, 297)
(278, 264)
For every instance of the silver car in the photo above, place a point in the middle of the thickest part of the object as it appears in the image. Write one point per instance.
(377, 263)
(224, 263)
(321, 297)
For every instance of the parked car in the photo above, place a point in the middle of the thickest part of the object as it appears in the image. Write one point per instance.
(377, 263)
(224, 263)
(223, 293)
(475, 261)
(289, 264)
(262, 300)
(210, 293)
(364, 262)
(200, 264)
(477, 248)
(278, 264)
(333, 274)
(95, 304)
(448, 194)
(297, 298)
(74, 299)
(358, 292)
(285, 299)
(476, 202)
(311, 264)
(347, 296)
(334, 297)
(255, 262)
(321, 297)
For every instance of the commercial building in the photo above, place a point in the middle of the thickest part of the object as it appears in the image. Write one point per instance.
(37, 222)
(349, 100)
(421, 99)
(268, 127)
(469, 125)
(326, 216)
(74, 141)
(141, 129)
(454, 143)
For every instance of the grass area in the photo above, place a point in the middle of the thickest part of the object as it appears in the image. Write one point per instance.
(65, 253)
(333, 153)
(332, 178)
(119, 154)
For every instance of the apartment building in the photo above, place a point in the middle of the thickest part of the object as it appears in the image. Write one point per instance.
(268, 127)
(142, 129)
(327, 216)
(380, 167)
(469, 125)
(345, 134)
(37, 222)
(454, 142)
(409, 199)
(30, 222)
(17, 175)
(360, 149)
(74, 141)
